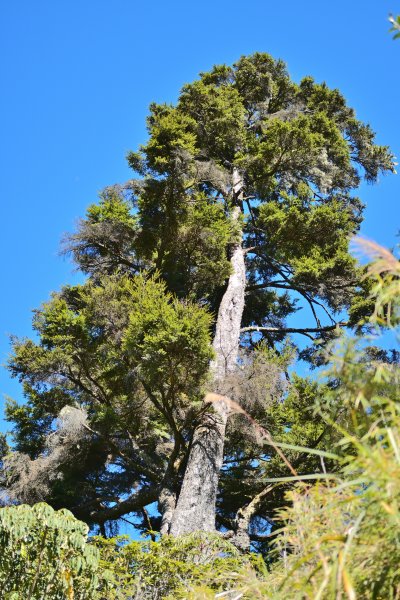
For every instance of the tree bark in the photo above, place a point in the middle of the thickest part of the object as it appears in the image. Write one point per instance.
(166, 506)
(241, 538)
(195, 508)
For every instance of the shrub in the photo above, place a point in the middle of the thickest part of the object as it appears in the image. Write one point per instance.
(172, 567)
(44, 554)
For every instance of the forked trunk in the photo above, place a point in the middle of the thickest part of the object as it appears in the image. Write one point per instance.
(195, 509)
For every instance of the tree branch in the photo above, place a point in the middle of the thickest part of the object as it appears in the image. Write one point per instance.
(306, 294)
(135, 502)
(301, 330)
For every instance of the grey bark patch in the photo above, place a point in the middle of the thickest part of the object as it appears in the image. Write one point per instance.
(226, 340)
(195, 509)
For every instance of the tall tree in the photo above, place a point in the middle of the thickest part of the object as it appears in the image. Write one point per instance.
(241, 215)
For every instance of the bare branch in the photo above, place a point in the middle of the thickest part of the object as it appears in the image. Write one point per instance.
(301, 330)
(135, 502)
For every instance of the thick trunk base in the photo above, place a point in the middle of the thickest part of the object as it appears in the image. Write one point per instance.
(195, 509)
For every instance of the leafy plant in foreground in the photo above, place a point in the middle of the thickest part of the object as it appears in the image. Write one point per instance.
(44, 554)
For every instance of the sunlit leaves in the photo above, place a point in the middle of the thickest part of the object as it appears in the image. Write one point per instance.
(44, 554)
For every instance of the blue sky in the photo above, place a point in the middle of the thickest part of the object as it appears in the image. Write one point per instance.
(78, 76)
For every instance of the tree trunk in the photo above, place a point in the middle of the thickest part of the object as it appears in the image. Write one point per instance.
(241, 539)
(166, 506)
(195, 509)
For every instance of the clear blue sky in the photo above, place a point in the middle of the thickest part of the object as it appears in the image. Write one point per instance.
(77, 78)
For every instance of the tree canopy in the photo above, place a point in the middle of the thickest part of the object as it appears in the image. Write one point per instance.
(240, 217)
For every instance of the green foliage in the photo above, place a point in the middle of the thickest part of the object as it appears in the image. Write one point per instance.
(44, 554)
(312, 239)
(340, 537)
(105, 240)
(395, 21)
(219, 116)
(123, 323)
(170, 131)
(170, 568)
(129, 353)
(111, 207)
(130, 349)
(185, 238)
(300, 149)
(343, 534)
(169, 340)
